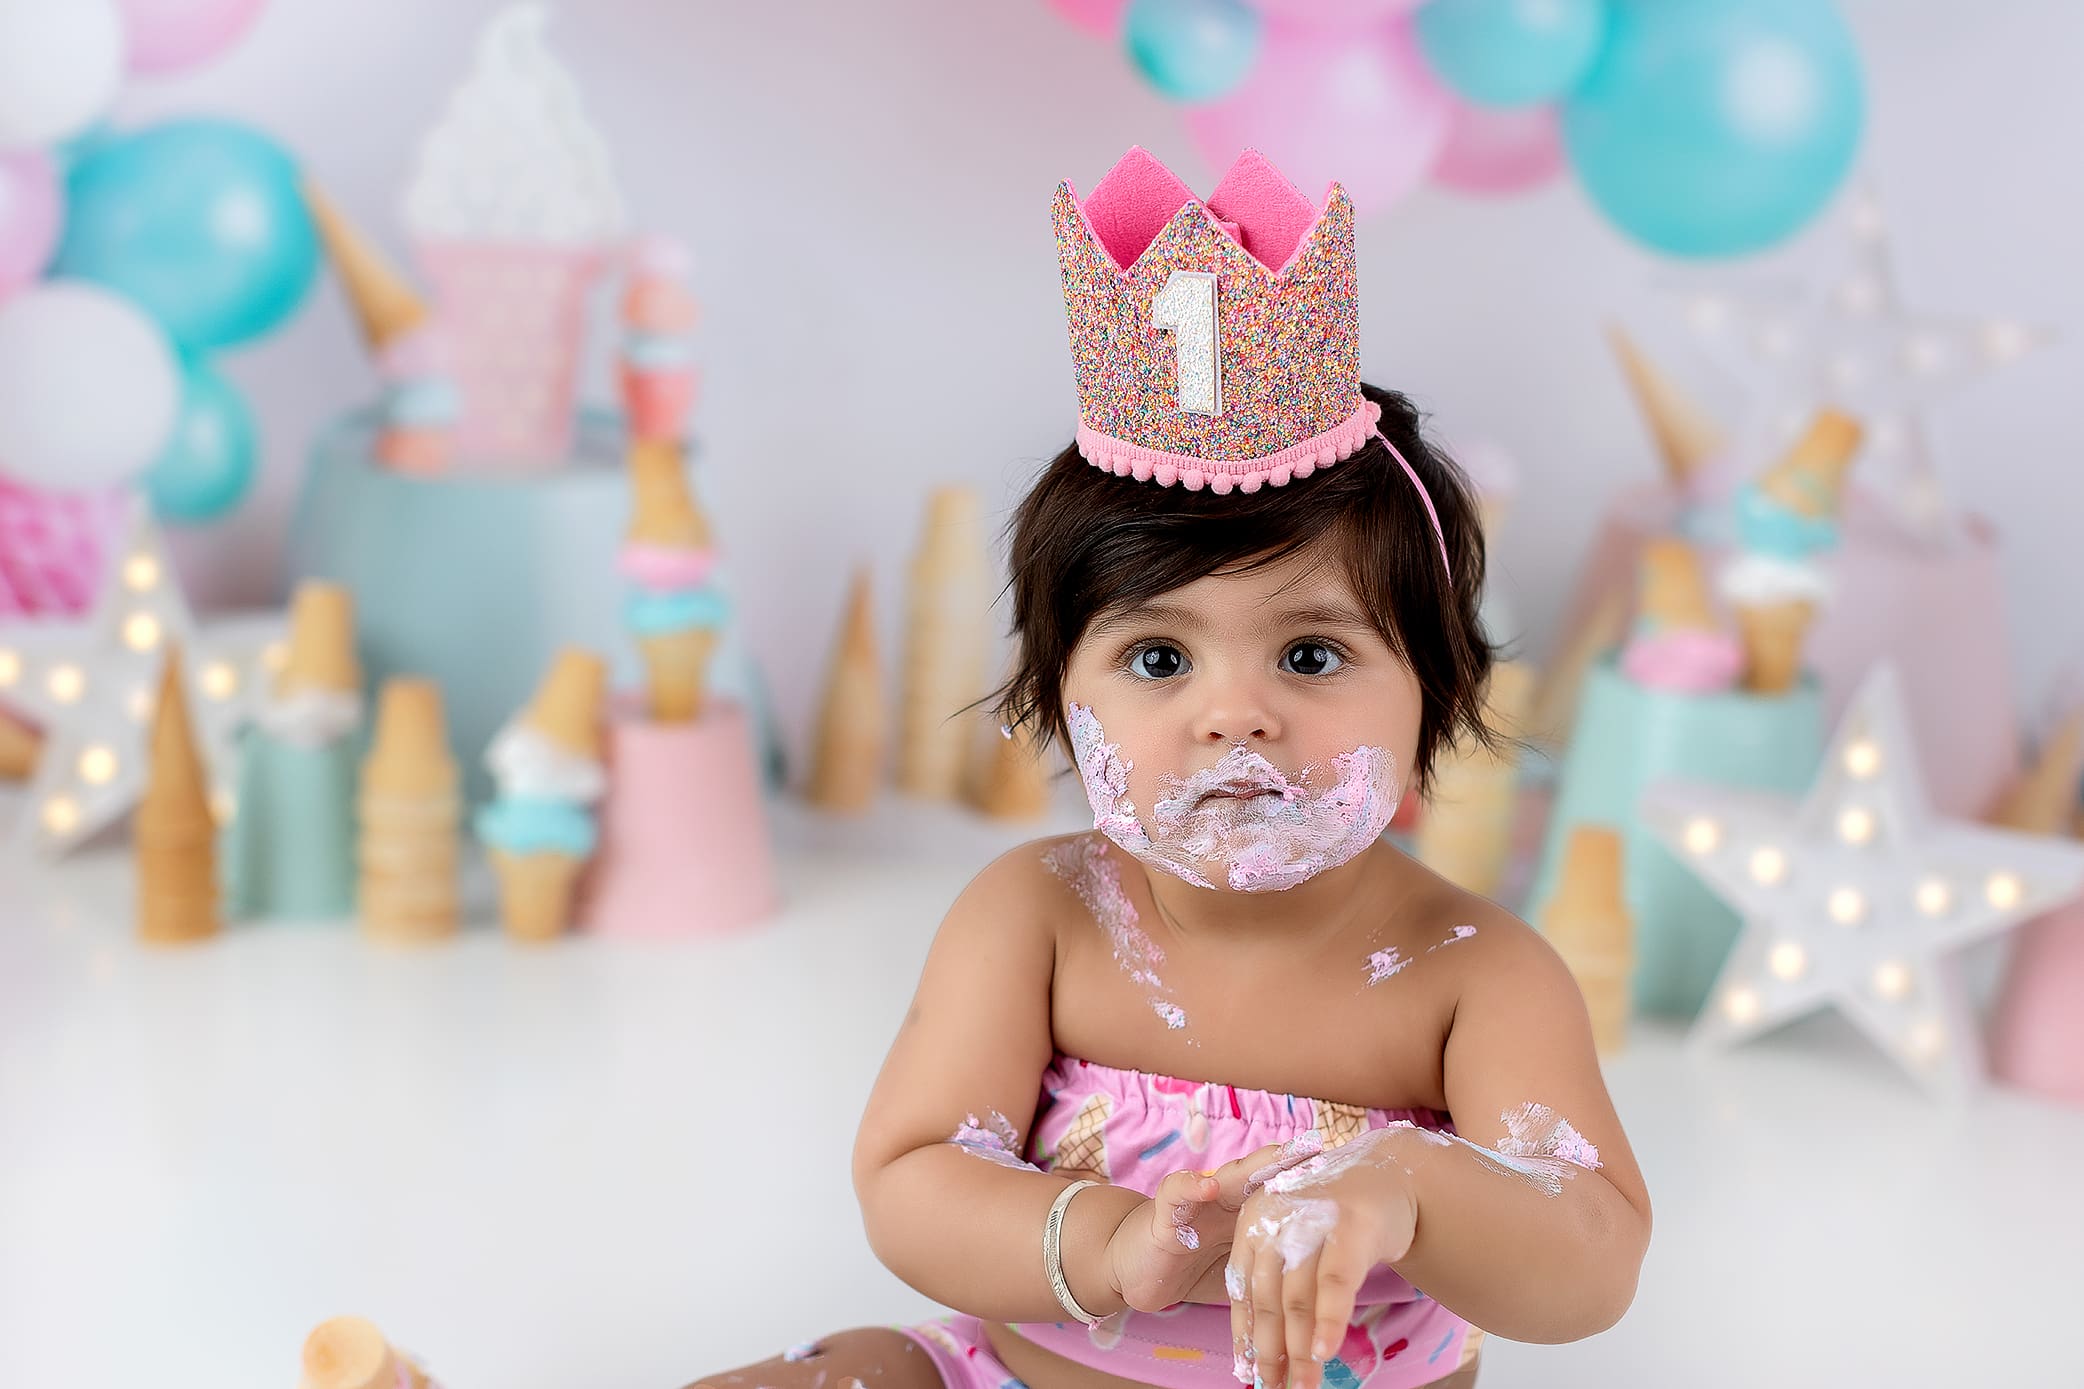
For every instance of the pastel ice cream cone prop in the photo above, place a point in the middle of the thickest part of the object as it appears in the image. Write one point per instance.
(1810, 479)
(385, 305)
(514, 212)
(948, 620)
(1466, 834)
(1687, 438)
(350, 1353)
(291, 850)
(853, 729)
(1010, 780)
(1774, 636)
(656, 369)
(540, 829)
(1587, 921)
(675, 611)
(420, 404)
(174, 834)
(411, 812)
(20, 746)
(1678, 643)
(2044, 798)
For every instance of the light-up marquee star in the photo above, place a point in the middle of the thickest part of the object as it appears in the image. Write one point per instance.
(1857, 897)
(1847, 340)
(92, 688)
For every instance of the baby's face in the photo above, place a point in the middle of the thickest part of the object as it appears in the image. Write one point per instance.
(1245, 732)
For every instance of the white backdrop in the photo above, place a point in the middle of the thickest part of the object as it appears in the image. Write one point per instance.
(867, 188)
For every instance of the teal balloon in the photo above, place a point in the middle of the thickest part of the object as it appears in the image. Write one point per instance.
(207, 465)
(201, 222)
(1193, 50)
(1717, 127)
(1512, 52)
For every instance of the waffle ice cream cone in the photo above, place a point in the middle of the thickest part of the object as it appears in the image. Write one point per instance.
(568, 706)
(535, 893)
(1675, 587)
(175, 835)
(321, 640)
(949, 617)
(1773, 636)
(1083, 1148)
(411, 811)
(20, 746)
(1810, 479)
(676, 670)
(1340, 1123)
(350, 1353)
(1587, 922)
(2044, 799)
(663, 509)
(384, 304)
(1687, 439)
(853, 720)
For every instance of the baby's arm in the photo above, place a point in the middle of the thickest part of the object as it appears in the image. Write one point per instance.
(1552, 1254)
(965, 1231)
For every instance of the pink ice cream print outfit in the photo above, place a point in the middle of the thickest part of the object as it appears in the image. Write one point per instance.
(1132, 1128)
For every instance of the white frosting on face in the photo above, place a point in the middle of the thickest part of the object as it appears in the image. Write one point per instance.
(312, 718)
(1244, 820)
(527, 763)
(514, 157)
(1759, 580)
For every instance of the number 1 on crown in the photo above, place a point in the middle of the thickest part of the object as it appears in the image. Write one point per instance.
(1187, 308)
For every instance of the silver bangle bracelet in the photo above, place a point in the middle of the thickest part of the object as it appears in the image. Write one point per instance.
(1053, 1253)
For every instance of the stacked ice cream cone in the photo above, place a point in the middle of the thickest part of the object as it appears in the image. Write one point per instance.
(540, 829)
(1785, 521)
(1587, 921)
(420, 402)
(175, 835)
(853, 730)
(1687, 439)
(1466, 835)
(1678, 643)
(350, 1353)
(411, 810)
(656, 369)
(948, 621)
(675, 610)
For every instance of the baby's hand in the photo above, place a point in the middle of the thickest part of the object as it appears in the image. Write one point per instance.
(1303, 1245)
(1166, 1245)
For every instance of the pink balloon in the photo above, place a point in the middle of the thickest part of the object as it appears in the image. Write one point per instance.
(1495, 149)
(164, 36)
(30, 214)
(1360, 108)
(1102, 17)
(1334, 14)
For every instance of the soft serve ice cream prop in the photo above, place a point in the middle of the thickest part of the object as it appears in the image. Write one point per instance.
(514, 211)
(540, 828)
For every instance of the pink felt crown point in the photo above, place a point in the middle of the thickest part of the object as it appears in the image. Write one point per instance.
(1215, 342)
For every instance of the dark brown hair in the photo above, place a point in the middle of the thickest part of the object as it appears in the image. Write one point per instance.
(1083, 542)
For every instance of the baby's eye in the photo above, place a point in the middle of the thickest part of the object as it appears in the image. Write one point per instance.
(1311, 658)
(1156, 661)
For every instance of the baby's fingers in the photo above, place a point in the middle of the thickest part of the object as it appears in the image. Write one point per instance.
(1180, 1197)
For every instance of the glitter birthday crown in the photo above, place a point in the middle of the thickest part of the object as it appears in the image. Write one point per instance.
(1216, 343)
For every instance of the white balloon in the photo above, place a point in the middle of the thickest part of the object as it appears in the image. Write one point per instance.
(89, 387)
(60, 64)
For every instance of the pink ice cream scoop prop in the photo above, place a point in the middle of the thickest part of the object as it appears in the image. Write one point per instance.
(656, 371)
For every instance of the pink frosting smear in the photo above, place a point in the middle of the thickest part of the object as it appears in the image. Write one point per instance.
(1084, 864)
(1686, 661)
(666, 568)
(1243, 820)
